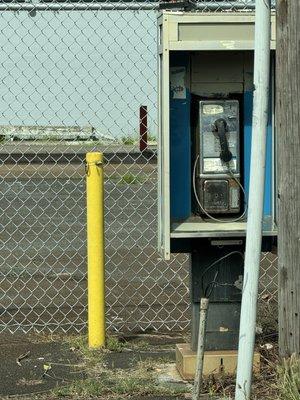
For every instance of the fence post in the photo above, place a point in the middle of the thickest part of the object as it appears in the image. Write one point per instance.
(95, 249)
(288, 144)
(143, 128)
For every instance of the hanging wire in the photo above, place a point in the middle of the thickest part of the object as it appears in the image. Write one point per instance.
(211, 285)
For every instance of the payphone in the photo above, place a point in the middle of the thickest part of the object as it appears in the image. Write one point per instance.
(217, 185)
(204, 151)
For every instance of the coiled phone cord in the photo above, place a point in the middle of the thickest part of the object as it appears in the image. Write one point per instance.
(201, 206)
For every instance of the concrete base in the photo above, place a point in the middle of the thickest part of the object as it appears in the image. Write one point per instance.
(215, 362)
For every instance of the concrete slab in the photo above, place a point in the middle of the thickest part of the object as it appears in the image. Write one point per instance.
(215, 362)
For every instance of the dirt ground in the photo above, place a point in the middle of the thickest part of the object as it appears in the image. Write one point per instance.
(25, 360)
(140, 367)
(35, 366)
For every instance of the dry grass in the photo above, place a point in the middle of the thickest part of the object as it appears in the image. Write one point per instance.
(265, 383)
(138, 381)
(289, 382)
(276, 381)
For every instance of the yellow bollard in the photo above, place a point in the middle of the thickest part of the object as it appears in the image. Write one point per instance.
(95, 249)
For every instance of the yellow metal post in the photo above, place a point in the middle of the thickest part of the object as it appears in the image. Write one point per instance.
(95, 249)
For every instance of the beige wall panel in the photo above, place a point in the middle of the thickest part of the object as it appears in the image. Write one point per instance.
(220, 31)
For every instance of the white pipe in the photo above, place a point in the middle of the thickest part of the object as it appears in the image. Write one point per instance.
(256, 199)
(200, 349)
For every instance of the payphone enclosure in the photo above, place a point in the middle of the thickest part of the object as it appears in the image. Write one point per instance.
(208, 59)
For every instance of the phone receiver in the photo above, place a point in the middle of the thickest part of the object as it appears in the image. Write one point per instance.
(220, 128)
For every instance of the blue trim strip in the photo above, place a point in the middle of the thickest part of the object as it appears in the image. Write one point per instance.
(180, 149)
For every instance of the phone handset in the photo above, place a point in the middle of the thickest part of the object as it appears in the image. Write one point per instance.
(220, 128)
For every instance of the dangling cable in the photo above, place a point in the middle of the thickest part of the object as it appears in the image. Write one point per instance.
(212, 284)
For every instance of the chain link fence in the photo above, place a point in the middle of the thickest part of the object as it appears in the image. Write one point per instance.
(73, 76)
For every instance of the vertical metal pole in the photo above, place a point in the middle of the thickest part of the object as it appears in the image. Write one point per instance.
(95, 249)
(256, 199)
(200, 349)
(143, 128)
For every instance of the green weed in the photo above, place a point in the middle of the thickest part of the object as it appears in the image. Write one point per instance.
(151, 138)
(128, 140)
(114, 344)
(91, 357)
(130, 178)
(139, 345)
(139, 382)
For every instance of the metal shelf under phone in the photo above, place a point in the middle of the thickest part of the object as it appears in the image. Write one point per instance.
(196, 227)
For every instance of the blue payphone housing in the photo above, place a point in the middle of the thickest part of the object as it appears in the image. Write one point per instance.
(189, 87)
(180, 144)
(181, 157)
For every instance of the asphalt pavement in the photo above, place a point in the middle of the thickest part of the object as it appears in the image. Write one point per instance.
(65, 152)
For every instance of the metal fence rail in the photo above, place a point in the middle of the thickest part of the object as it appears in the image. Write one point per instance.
(49, 5)
(73, 76)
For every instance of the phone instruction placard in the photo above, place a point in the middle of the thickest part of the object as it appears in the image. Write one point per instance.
(177, 80)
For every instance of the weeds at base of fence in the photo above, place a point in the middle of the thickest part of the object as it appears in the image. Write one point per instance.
(132, 381)
(132, 140)
(289, 383)
(275, 381)
(140, 380)
(128, 178)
